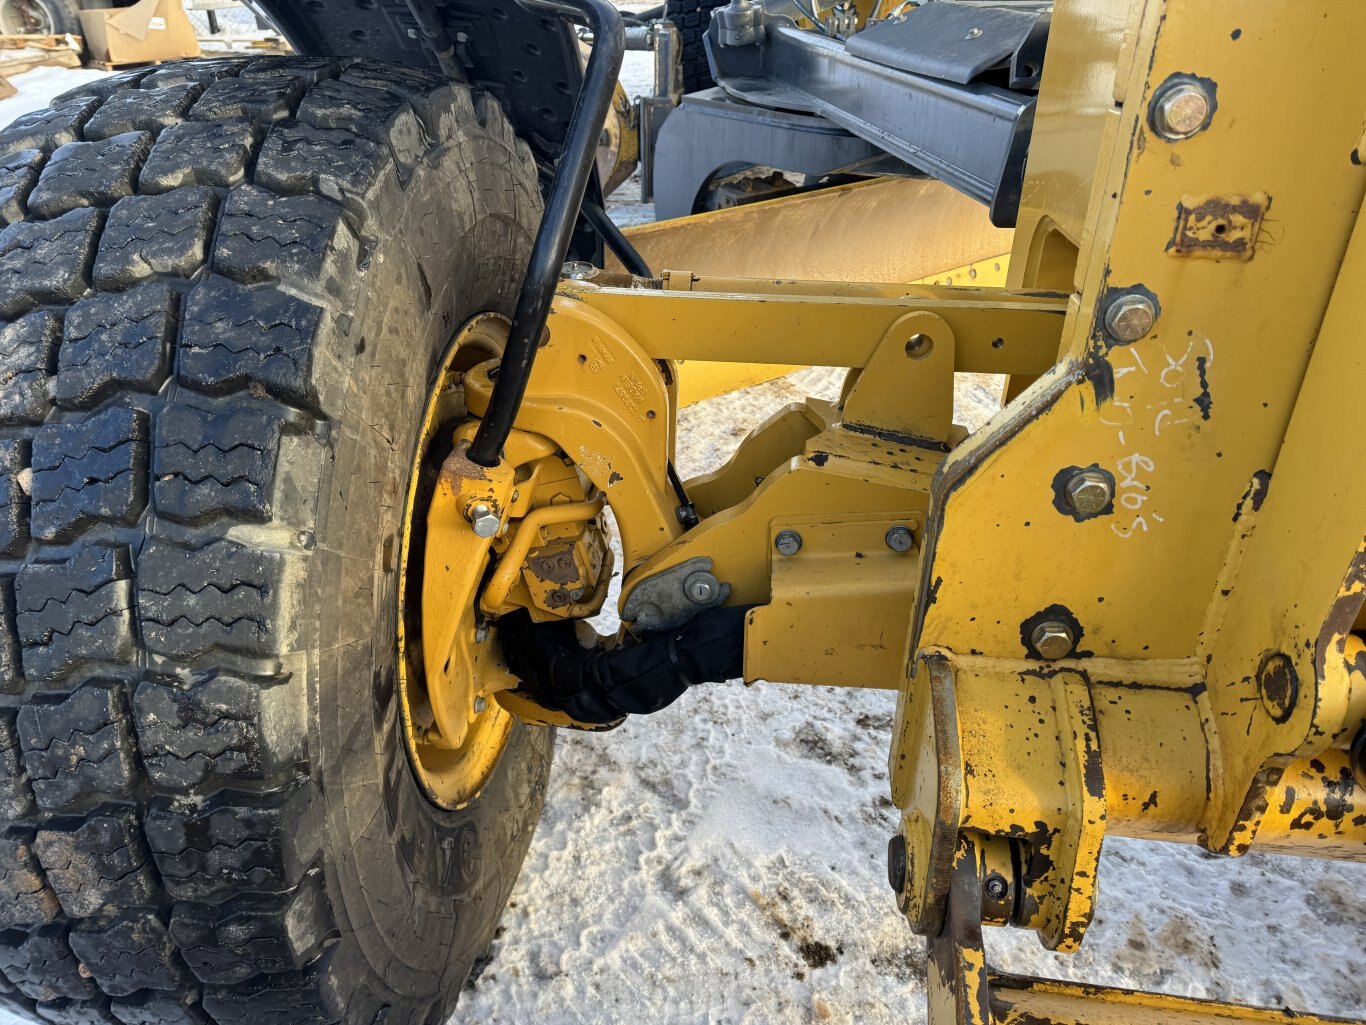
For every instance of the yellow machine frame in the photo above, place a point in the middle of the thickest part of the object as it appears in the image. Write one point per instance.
(1124, 606)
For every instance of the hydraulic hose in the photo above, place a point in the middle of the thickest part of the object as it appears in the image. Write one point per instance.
(557, 226)
(436, 38)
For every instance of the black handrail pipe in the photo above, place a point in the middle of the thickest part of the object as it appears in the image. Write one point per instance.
(557, 226)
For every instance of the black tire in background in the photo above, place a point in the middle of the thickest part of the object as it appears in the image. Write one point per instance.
(39, 17)
(692, 18)
(225, 287)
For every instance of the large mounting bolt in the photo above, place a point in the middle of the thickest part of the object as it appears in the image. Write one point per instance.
(996, 887)
(1180, 109)
(701, 587)
(1130, 316)
(899, 538)
(1089, 492)
(1279, 685)
(1052, 640)
(788, 542)
(483, 519)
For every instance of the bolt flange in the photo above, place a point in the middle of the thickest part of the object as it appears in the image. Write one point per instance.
(701, 587)
(1052, 640)
(899, 538)
(788, 542)
(1180, 109)
(484, 520)
(1130, 316)
(1089, 492)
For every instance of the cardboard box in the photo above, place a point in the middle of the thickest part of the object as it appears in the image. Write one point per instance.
(149, 30)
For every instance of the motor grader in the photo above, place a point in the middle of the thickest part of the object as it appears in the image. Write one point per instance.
(323, 373)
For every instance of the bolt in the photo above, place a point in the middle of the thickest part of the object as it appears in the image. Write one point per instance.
(576, 593)
(481, 633)
(1130, 317)
(480, 703)
(578, 270)
(1180, 109)
(1052, 640)
(1279, 685)
(995, 886)
(899, 538)
(701, 587)
(1089, 492)
(788, 542)
(483, 519)
(896, 862)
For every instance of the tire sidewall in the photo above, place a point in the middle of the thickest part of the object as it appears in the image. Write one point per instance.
(422, 888)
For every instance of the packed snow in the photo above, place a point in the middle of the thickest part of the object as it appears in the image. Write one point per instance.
(722, 862)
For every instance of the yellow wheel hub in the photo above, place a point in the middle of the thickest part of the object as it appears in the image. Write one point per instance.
(454, 730)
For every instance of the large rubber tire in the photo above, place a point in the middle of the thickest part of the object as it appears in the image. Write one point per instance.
(40, 17)
(226, 286)
(692, 18)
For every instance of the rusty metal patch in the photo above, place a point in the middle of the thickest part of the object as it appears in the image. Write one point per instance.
(1218, 227)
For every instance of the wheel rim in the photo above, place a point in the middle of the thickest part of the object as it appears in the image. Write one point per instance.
(26, 17)
(451, 775)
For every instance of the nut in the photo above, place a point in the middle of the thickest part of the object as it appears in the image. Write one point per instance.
(483, 519)
(701, 587)
(1130, 317)
(1052, 640)
(899, 538)
(1180, 109)
(1089, 492)
(995, 886)
(480, 703)
(788, 542)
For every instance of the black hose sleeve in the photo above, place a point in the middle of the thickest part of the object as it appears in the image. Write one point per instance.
(596, 686)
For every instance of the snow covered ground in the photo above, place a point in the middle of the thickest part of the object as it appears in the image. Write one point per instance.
(723, 861)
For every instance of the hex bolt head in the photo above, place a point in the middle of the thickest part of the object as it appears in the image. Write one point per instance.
(1130, 317)
(1089, 492)
(899, 538)
(481, 633)
(995, 886)
(483, 519)
(480, 703)
(1052, 640)
(701, 587)
(788, 542)
(1180, 110)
